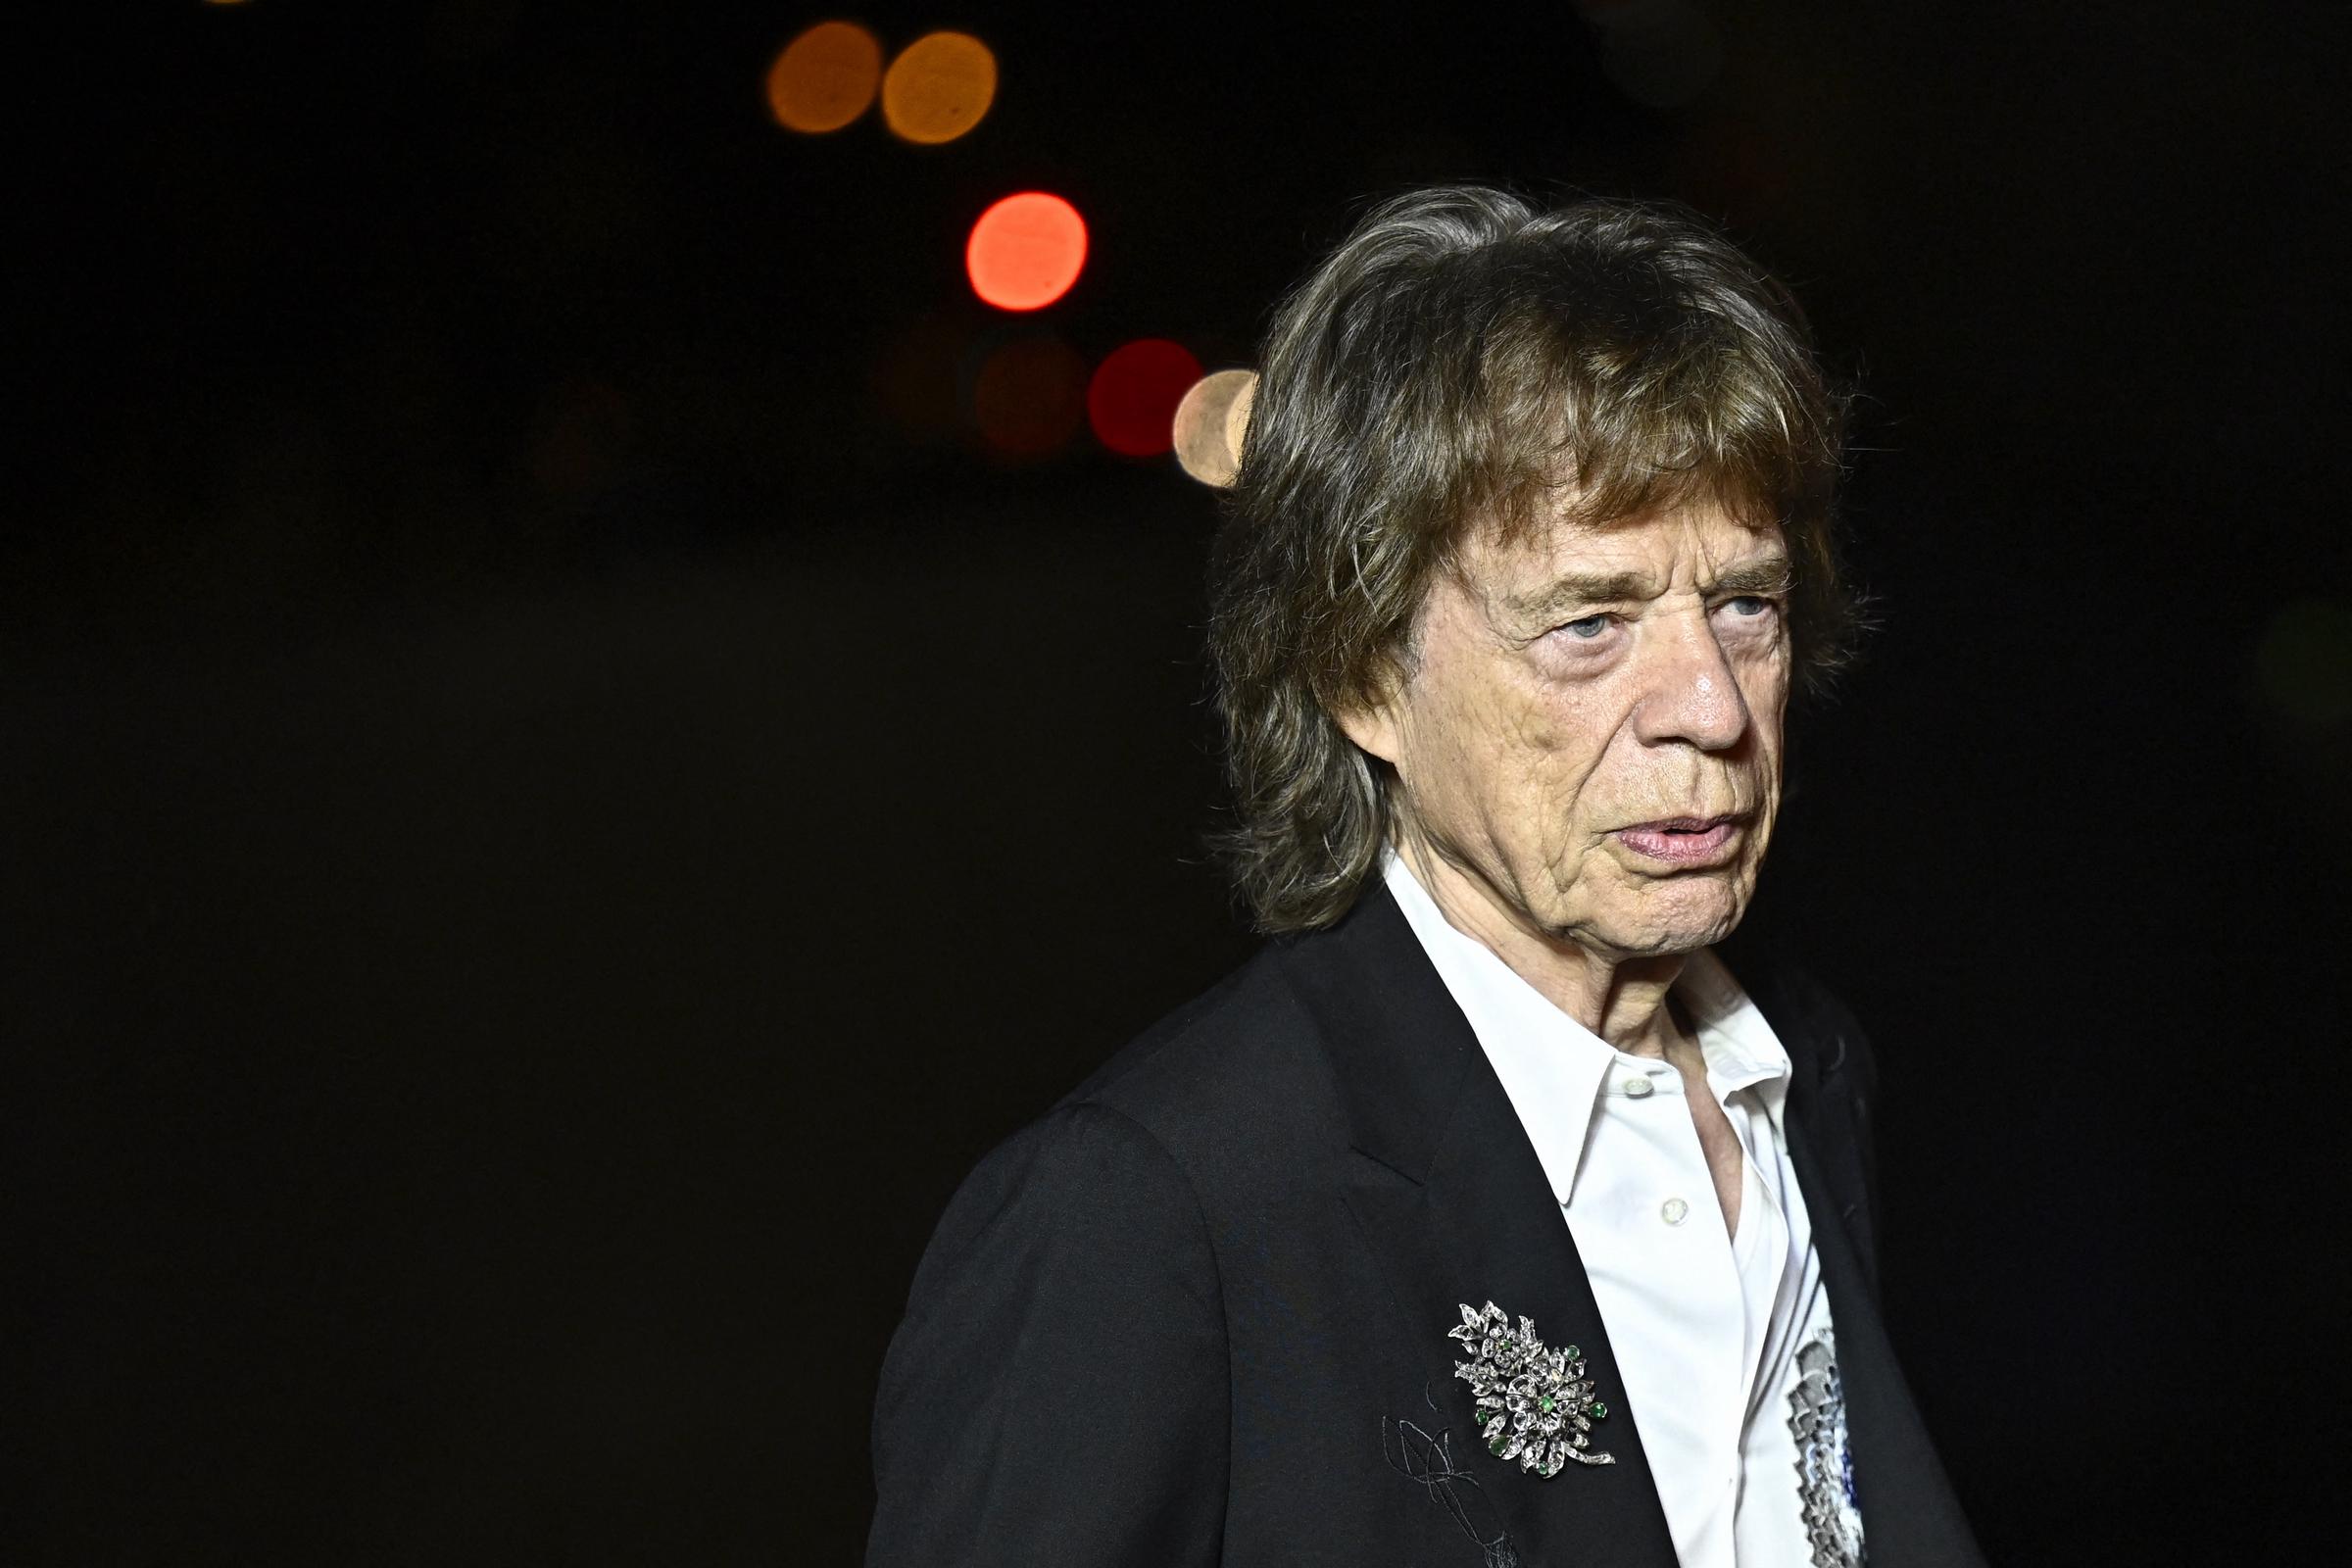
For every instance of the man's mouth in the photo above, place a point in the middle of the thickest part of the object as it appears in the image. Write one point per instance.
(1685, 841)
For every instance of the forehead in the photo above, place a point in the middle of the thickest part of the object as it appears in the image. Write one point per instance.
(1676, 543)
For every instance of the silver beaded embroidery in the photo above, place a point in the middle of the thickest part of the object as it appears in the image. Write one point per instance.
(1534, 1404)
(1825, 1459)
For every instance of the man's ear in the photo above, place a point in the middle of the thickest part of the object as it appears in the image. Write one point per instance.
(1373, 725)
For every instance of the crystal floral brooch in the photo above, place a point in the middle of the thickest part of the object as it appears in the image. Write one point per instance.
(1534, 1404)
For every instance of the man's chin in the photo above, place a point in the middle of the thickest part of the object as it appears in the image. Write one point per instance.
(1684, 916)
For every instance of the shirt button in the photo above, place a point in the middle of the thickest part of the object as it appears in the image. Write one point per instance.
(1674, 1210)
(1639, 1088)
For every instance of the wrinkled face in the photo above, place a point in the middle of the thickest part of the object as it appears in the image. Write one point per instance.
(1590, 734)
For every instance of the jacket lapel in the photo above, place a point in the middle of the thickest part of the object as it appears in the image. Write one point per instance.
(1910, 1516)
(1450, 1194)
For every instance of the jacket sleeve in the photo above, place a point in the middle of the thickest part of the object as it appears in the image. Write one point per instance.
(1058, 1392)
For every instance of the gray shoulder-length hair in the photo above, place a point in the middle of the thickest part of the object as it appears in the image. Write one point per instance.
(1467, 356)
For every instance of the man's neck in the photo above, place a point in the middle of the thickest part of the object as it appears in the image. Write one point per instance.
(1622, 999)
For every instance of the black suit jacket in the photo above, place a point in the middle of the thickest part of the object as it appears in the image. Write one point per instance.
(1198, 1313)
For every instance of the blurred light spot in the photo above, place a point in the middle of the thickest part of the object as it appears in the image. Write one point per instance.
(580, 439)
(914, 380)
(278, 463)
(1237, 417)
(825, 77)
(1660, 53)
(1030, 397)
(1205, 445)
(1133, 397)
(467, 31)
(1026, 251)
(938, 87)
(1736, 167)
(2304, 662)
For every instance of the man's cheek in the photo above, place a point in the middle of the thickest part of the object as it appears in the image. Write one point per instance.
(1538, 728)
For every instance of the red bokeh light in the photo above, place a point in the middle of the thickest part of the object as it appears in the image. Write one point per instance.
(1026, 251)
(1132, 400)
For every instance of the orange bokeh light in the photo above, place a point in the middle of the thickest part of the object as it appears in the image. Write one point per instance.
(1026, 251)
(824, 79)
(938, 87)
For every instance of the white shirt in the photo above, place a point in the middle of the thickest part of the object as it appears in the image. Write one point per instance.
(1744, 1436)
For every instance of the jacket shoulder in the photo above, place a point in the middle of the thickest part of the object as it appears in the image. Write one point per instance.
(1820, 1032)
(994, 1428)
(1241, 1061)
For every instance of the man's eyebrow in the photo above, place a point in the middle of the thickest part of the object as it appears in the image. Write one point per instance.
(1768, 575)
(1581, 588)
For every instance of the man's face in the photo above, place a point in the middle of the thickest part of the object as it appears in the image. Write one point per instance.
(1590, 737)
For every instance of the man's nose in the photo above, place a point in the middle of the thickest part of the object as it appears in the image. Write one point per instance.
(1689, 692)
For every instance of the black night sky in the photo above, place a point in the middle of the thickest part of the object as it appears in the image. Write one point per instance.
(557, 793)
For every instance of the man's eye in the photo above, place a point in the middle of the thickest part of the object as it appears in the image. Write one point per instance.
(1750, 604)
(1586, 629)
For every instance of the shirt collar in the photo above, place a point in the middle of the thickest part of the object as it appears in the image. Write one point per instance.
(1739, 1046)
(1552, 1067)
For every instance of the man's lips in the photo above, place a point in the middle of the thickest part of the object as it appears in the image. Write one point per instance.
(1683, 841)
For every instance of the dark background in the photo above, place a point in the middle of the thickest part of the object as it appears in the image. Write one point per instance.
(555, 798)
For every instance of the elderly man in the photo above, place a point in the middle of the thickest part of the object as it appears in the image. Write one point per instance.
(1490, 1214)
